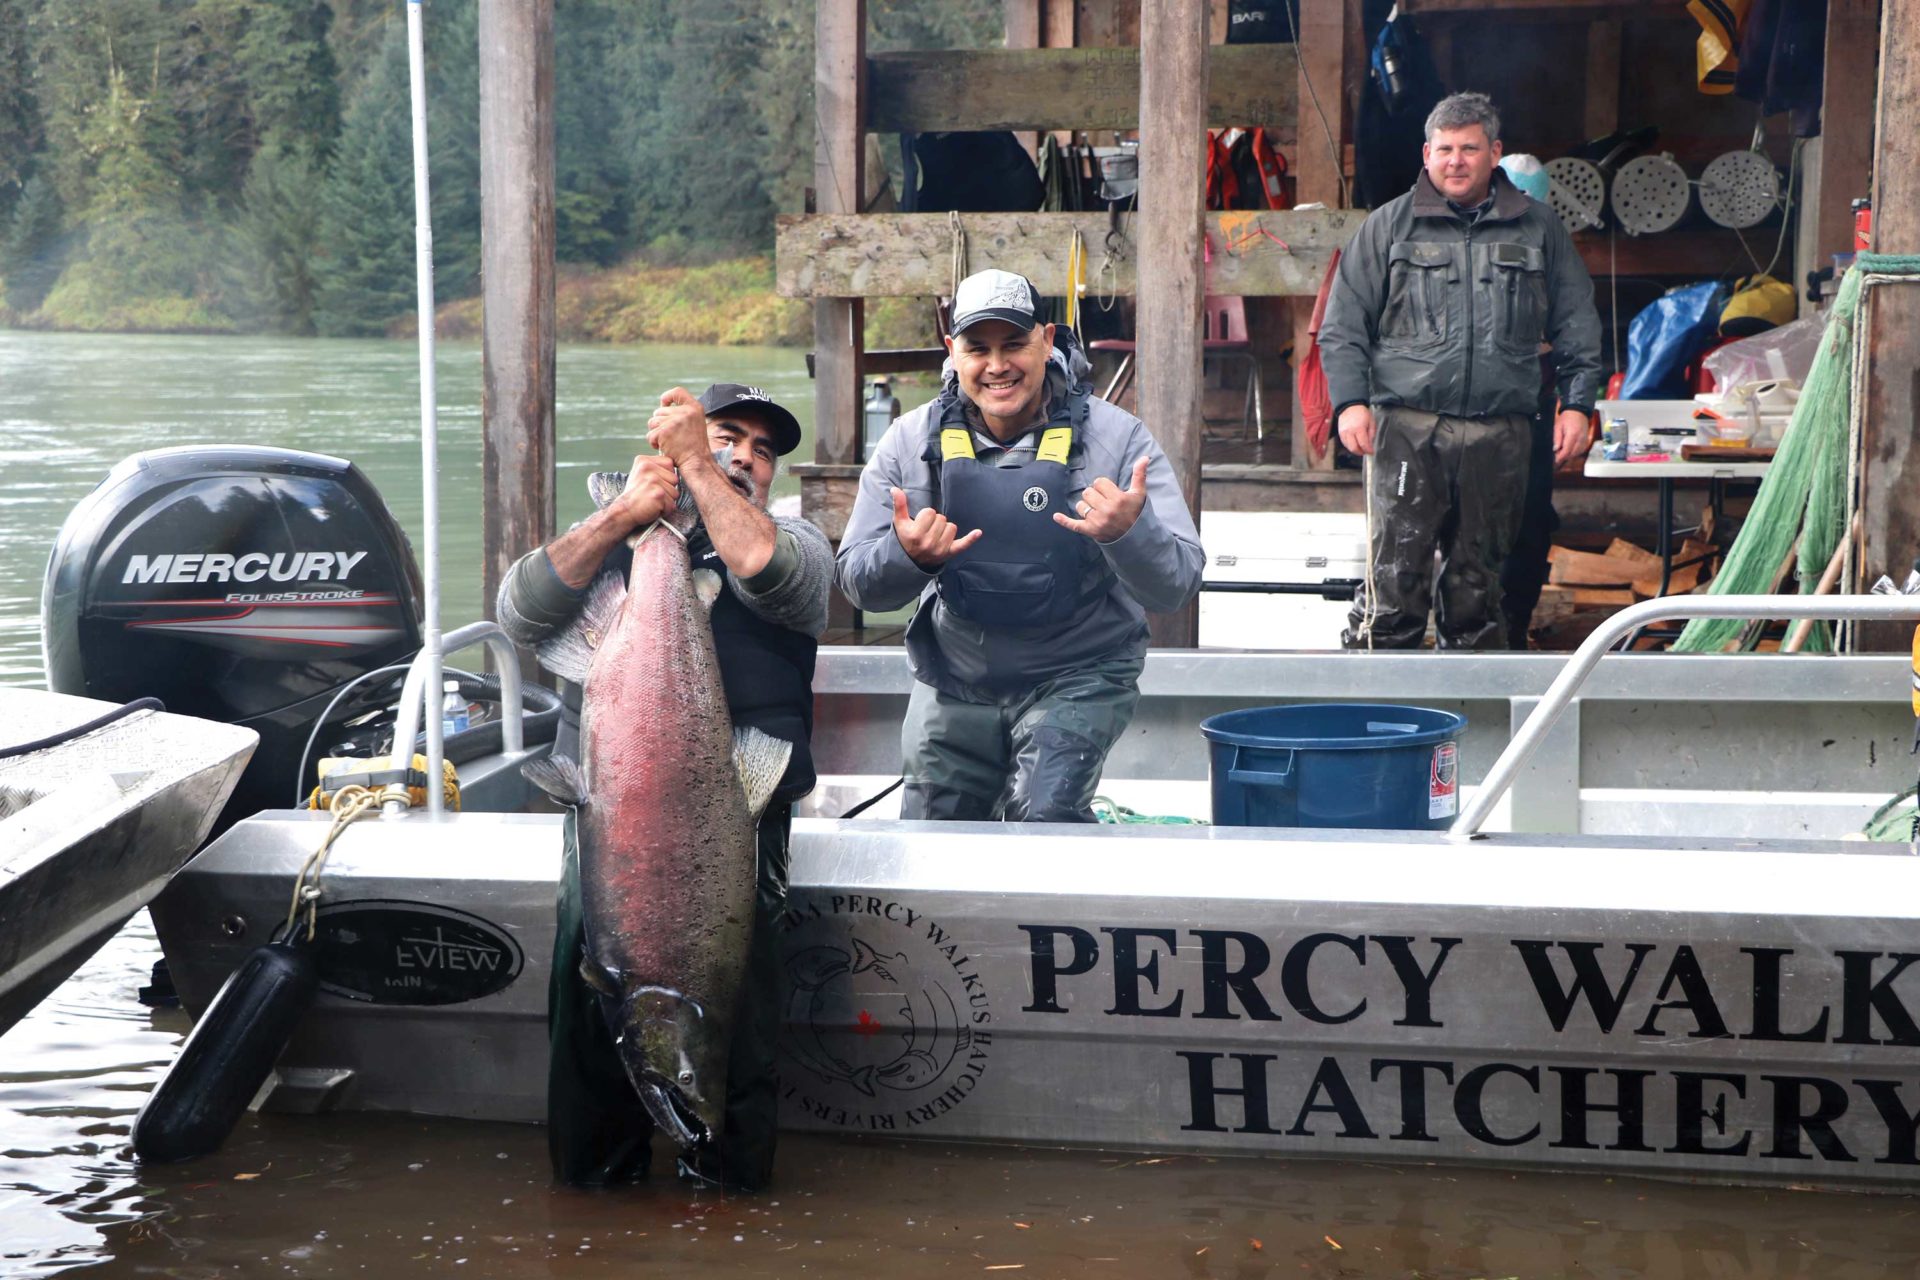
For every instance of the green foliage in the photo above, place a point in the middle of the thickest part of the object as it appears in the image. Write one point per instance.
(271, 270)
(365, 263)
(141, 265)
(34, 250)
(248, 162)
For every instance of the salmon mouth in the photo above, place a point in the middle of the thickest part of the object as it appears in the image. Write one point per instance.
(674, 1114)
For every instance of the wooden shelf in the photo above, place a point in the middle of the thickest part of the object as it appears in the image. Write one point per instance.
(1694, 252)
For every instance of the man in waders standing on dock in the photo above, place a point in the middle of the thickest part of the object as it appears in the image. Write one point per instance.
(1036, 524)
(773, 605)
(1431, 348)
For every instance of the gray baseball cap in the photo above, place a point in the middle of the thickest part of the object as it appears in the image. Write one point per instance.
(995, 295)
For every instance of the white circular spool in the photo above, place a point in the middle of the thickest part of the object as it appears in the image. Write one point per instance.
(1739, 189)
(1577, 192)
(1651, 194)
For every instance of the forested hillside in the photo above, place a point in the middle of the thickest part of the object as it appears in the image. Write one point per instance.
(245, 164)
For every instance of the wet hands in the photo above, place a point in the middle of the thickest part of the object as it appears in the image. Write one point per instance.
(678, 428)
(928, 538)
(1107, 511)
(653, 489)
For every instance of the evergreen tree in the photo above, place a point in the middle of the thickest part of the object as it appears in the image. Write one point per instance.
(292, 80)
(271, 268)
(366, 260)
(452, 37)
(34, 250)
(19, 114)
(593, 175)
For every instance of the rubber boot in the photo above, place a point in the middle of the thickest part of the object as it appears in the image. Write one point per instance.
(1055, 773)
(598, 1131)
(931, 802)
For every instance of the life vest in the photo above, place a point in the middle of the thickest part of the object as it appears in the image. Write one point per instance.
(1027, 571)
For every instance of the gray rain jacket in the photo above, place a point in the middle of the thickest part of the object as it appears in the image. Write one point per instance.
(1435, 311)
(1157, 563)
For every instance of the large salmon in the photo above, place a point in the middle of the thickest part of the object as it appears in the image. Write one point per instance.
(668, 795)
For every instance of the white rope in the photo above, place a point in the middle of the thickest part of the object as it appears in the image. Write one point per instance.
(1366, 484)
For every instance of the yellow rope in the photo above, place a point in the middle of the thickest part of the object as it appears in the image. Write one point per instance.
(348, 805)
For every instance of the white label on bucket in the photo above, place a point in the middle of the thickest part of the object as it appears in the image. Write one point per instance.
(1443, 782)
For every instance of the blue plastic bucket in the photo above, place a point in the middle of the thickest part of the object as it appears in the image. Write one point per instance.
(1337, 764)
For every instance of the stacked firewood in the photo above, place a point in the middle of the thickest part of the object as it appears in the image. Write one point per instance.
(1616, 577)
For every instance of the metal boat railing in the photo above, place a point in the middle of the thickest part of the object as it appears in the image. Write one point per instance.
(1553, 702)
(414, 693)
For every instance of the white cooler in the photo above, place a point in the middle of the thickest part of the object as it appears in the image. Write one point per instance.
(1300, 548)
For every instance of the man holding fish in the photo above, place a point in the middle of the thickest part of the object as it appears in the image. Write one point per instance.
(685, 618)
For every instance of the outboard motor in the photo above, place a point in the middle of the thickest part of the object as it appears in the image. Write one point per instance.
(241, 584)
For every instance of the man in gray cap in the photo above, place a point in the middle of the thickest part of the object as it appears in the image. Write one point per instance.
(723, 448)
(1036, 524)
(1431, 345)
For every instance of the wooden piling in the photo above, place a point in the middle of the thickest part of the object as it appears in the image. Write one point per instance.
(1173, 133)
(517, 275)
(1890, 496)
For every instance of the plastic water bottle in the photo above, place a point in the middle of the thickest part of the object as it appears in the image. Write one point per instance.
(453, 711)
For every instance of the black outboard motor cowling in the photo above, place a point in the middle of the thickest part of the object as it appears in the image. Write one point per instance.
(235, 583)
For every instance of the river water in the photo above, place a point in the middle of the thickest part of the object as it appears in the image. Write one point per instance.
(360, 1196)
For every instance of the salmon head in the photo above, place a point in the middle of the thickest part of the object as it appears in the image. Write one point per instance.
(676, 1057)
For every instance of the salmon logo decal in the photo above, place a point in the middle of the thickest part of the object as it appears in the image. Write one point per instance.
(887, 1022)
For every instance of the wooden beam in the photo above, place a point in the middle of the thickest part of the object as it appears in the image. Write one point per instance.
(1846, 132)
(840, 47)
(906, 255)
(517, 280)
(1603, 77)
(1890, 486)
(1320, 163)
(1557, 8)
(1173, 166)
(1040, 89)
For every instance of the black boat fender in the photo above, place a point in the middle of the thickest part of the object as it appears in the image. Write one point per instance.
(228, 1054)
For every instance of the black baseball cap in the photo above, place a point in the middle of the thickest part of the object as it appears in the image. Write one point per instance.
(725, 397)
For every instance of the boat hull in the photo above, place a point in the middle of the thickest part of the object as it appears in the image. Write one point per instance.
(1729, 1010)
(113, 815)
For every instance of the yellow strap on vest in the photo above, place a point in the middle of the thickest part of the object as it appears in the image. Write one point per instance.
(955, 442)
(1054, 443)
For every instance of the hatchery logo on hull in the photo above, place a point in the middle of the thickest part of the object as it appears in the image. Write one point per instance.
(889, 1026)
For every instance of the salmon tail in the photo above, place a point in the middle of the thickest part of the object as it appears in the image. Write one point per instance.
(862, 1079)
(604, 486)
(559, 777)
(760, 759)
(570, 650)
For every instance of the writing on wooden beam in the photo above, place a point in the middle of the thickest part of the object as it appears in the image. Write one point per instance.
(907, 255)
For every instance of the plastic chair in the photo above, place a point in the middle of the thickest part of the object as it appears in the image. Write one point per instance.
(1223, 332)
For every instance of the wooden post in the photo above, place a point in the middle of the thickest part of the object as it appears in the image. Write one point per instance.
(839, 158)
(1890, 489)
(839, 177)
(1173, 168)
(1321, 153)
(1846, 143)
(517, 273)
(1023, 21)
(1603, 77)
